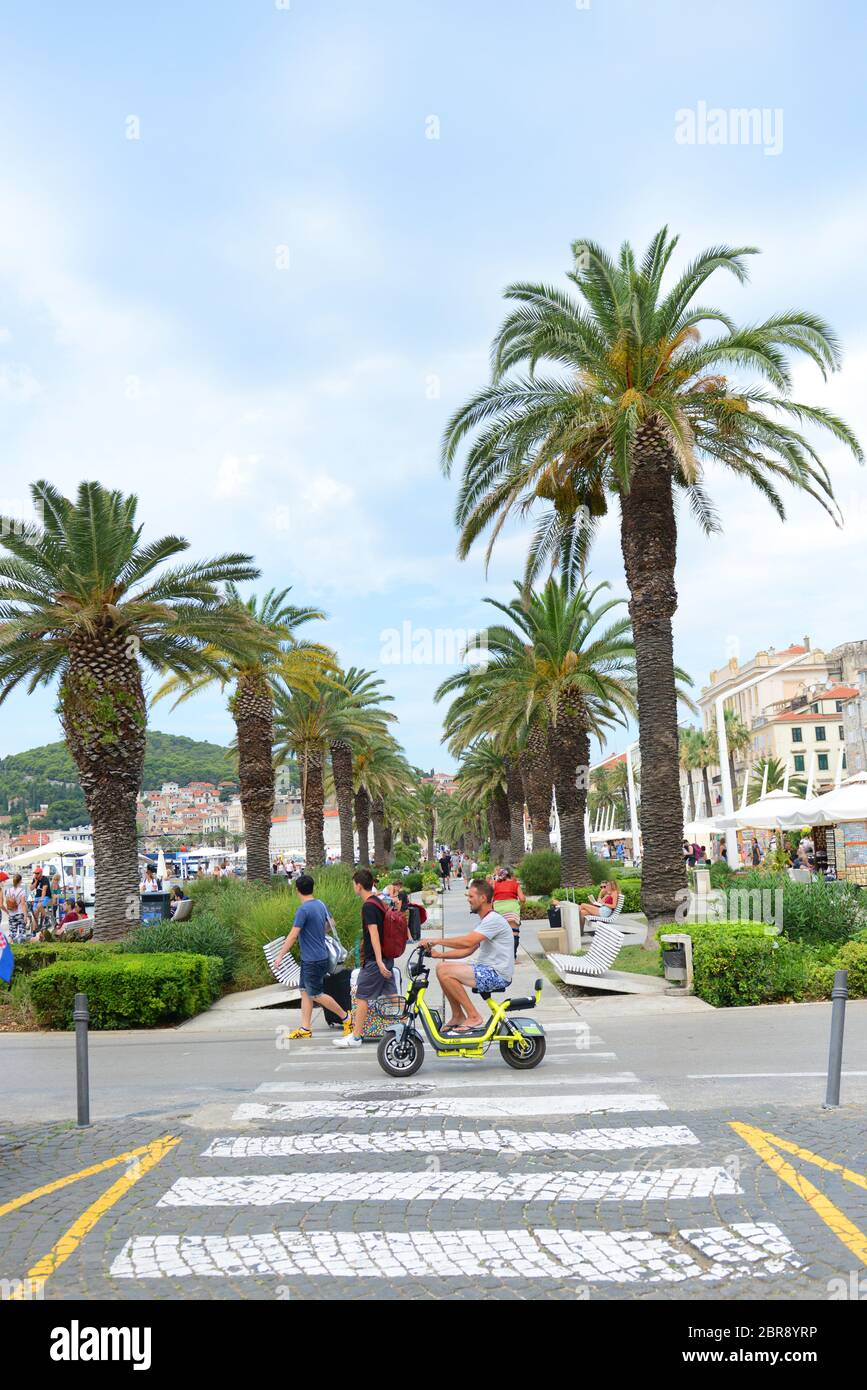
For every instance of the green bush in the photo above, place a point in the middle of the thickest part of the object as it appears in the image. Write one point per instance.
(413, 883)
(202, 935)
(127, 991)
(815, 912)
(539, 872)
(853, 957)
(38, 955)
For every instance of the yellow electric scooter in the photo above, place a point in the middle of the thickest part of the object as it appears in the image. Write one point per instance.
(401, 1049)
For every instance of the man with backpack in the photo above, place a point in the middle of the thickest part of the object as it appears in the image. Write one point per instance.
(312, 920)
(383, 937)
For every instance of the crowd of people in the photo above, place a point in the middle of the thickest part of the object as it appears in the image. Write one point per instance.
(755, 855)
(492, 942)
(46, 910)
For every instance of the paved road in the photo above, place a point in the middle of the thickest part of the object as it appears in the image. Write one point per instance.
(311, 1174)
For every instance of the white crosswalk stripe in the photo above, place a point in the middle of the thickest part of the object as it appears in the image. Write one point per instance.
(269, 1189)
(435, 1141)
(604, 1257)
(468, 1107)
(619, 1078)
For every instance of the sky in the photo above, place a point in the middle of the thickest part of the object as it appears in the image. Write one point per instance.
(253, 254)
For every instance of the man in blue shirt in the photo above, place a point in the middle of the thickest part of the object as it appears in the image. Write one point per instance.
(308, 929)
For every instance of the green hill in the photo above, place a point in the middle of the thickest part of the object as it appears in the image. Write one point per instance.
(47, 774)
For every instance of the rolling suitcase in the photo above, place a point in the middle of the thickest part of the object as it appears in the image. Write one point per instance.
(338, 986)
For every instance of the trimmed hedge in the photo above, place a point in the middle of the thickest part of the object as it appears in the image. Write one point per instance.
(127, 991)
(737, 964)
(202, 935)
(37, 955)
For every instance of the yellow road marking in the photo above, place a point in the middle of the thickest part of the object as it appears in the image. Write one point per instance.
(836, 1220)
(75, 1177)
(35, 1278)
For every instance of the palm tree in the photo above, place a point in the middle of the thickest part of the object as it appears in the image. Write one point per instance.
(430, 802)
(638, 409)
(307, 725)
(483, 783)
(687, 755)
(387, 774)
(555, 673)
(362, 691)
(776, 769)
(300, 665)
(738, 738)
(81, 602)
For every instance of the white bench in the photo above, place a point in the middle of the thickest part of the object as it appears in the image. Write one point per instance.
(593, 971)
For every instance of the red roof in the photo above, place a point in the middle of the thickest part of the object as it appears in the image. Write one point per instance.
(804, 718)
(839, 692)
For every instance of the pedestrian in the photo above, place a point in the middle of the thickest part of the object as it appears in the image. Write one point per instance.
(376, 976)
(150, 883)
(312, 920)
(687, 854)
(445, 864)
(756, 853)
(15, 902)
(508, 898)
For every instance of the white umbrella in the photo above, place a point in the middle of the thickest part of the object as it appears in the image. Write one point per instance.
(52, 850)
(770, 812)
(161, 865)
(847, 802)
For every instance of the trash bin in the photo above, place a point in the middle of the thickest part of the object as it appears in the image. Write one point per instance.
(555, 921)
(155, 908)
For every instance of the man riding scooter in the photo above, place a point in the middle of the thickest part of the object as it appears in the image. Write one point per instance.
(492, 969)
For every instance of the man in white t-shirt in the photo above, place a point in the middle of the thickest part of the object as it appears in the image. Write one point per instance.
(492, 969)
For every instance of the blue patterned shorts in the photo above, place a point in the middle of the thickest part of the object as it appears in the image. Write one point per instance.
(488, 981)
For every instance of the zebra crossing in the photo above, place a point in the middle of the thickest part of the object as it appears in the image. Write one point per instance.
(468, 1173)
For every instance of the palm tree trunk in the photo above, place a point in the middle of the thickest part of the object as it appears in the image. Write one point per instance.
(536, 773)
(706, 784)
(649, 542)
(431, 835)
(313, 802)
(515, 797)
(362, 822)
(252, 709)
(388, 840)
(693, 813)
(500, 828)
(103, 712)
(569, 748)
(341, 767)
(377, 815)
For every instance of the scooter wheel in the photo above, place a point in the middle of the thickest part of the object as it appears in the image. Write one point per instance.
(524, 1055)
(399, 1057)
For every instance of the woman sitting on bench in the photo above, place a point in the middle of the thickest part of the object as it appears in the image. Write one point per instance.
(604, 905)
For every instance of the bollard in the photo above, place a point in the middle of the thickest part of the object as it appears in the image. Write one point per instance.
(81, 1017)
(839, 995)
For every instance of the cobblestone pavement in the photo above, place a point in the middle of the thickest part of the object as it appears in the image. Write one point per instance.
(465, 1181)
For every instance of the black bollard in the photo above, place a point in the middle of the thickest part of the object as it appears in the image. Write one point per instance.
(839, 995)
(81, 1018)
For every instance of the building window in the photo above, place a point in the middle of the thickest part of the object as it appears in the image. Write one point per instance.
(838, 705)
(843, 764)
(823, 762)
(841, 731)
(821, 736)
(799, 762)
(814, 709)
(797, 735)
